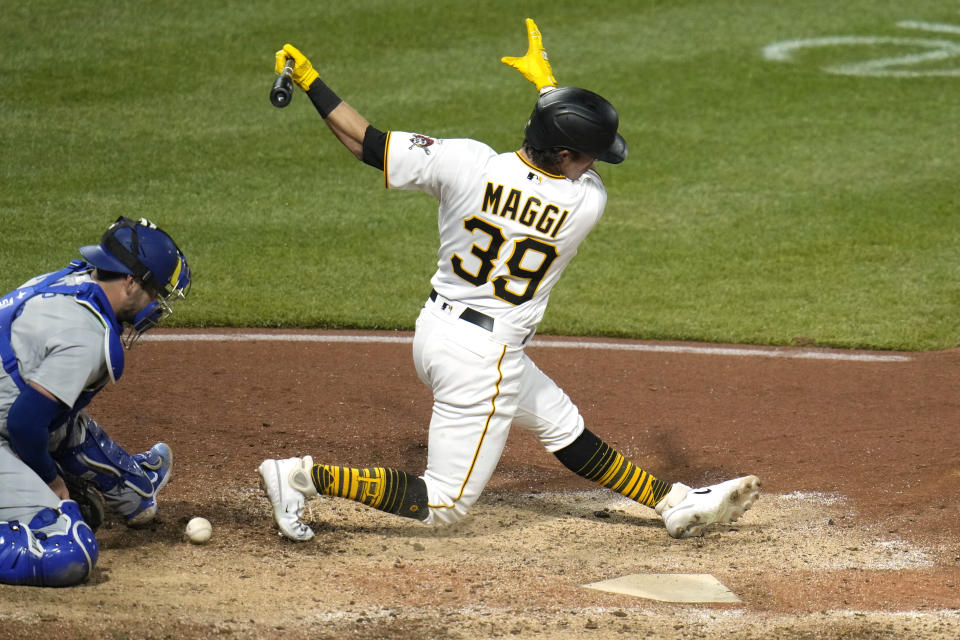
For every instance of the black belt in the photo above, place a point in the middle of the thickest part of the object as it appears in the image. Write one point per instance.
(472, 316)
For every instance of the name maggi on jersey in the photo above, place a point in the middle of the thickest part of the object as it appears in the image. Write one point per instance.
(547, 220)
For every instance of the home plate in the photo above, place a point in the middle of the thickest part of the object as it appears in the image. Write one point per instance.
(669, 587)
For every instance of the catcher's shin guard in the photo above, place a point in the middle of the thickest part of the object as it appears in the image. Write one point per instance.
(129, 483)
(56, 549)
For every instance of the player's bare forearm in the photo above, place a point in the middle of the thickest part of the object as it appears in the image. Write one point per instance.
(349, 126)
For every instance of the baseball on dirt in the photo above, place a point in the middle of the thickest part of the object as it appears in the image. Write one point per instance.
(199, 530)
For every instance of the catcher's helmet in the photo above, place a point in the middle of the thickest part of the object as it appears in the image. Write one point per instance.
(572, 118)
(140, 249)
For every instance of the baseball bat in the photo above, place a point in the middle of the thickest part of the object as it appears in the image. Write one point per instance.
(282, 90)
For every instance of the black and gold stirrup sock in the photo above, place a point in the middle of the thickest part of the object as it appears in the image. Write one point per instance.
(388, 490)
(592, 458)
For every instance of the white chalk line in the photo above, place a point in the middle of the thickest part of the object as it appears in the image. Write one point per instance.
(758, 352)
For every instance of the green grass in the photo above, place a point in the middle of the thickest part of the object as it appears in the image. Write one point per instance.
(763, 202)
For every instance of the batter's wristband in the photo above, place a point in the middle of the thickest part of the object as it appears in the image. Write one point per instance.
(323, 98)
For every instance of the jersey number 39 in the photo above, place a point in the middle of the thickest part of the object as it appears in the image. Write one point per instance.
(488, 258)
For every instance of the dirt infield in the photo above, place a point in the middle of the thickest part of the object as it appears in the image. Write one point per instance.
(857, 533)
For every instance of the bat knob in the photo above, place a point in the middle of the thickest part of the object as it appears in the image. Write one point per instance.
(282, 91)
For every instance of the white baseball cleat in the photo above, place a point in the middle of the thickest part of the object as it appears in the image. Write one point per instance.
(287, 483)
(688, 512)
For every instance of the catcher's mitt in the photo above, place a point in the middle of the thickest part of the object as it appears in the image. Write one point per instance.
(88, 497)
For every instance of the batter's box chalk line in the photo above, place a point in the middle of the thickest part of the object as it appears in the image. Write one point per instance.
(759, 352)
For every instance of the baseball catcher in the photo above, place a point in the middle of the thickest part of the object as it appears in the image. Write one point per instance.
(62, 341)
(509, 225)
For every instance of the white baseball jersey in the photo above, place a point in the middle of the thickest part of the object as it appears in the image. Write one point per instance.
(507, 228)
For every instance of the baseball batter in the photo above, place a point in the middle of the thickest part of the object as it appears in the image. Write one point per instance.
(61, 342)
(509, 224)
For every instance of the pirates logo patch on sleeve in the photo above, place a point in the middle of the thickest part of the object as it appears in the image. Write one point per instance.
(417, 140)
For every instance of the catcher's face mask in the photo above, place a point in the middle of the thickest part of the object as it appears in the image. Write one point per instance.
(155, 312)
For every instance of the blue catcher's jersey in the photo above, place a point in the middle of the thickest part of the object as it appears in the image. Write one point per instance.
(68, 341)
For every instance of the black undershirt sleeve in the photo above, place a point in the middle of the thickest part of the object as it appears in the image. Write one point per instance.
(374, 147)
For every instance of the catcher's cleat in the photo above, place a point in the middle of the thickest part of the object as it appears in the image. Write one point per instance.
(157, 464)
(287, 483)
(688, 512)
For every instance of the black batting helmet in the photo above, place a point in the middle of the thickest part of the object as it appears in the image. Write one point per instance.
(572, 118)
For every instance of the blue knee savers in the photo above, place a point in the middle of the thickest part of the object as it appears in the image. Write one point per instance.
(29, 556)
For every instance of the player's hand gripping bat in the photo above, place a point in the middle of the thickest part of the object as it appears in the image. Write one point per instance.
(282, 91)
(302, 73)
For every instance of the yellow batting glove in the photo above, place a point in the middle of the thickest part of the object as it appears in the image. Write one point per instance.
(303, 72)
(535, 65)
